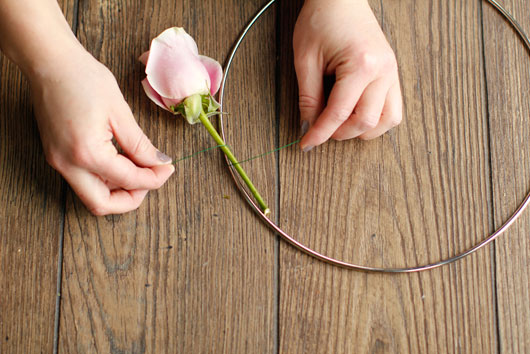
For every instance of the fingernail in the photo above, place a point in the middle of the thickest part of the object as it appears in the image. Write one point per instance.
(305, 127)
(307, 148)
(163, 157)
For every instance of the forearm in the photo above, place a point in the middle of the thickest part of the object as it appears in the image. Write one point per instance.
(35, 35)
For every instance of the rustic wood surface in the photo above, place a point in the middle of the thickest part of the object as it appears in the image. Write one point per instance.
(509, 109)
(31, 220)
(418, 194)
(195, 271)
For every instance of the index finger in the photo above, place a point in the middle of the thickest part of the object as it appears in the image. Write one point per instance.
(342, 100)
(97, 197)
(121, 171)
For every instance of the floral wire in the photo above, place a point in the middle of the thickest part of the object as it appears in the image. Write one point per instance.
(197, 153)
(267, 153)
(305, 249)
(240, 162)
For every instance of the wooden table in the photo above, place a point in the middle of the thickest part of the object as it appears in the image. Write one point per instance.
(195, 271)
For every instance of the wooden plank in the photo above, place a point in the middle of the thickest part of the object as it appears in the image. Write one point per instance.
(507, 72)
(192, 270)
(31, 220)
(416, 195)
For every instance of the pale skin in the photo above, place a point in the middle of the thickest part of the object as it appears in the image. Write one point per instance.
(79, 107)
(342, 37)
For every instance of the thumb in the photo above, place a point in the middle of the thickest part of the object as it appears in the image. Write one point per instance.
(311, 91)
(134, 142)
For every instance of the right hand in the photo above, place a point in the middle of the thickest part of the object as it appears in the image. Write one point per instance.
(342, 37)
(79, 109)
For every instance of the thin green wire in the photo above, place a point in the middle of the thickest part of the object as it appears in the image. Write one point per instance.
(197, 153)
(240, 162)
(267, 153)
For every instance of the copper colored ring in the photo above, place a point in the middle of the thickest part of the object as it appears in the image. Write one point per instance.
(289, 239)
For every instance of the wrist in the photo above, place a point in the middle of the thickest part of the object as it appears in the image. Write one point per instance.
(50, 59)
(35, 35)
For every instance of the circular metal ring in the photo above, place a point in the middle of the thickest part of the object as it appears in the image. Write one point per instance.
(289, 239)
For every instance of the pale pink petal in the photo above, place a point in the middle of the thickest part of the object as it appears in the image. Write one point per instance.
(171, 35)
(152, 94)
(143, 58)
(170, 102)
(215, 71)
(178, 37)
(173, 69)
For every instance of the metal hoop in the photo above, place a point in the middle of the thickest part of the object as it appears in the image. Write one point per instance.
(289, 239)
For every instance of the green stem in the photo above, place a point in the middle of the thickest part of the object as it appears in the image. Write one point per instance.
(213, 132)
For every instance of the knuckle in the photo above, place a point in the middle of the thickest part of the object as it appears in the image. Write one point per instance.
(127, 181)
(82, 156)
(302, 66)
(339, 115)
(366, 137)
(304, 55)
(307, 102)
(372, 63)
(98, 211)
(142, 145)
(367, 62)
(98, 207)
(55, 160)
(301, 60)
(367, 120)
(368, 123)
(339, 137)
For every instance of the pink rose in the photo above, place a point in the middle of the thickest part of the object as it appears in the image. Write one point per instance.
(183, 82)
(175, 70)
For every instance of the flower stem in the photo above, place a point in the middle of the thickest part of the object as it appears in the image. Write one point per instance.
(208, 125)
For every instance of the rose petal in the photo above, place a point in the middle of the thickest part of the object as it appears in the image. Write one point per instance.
(170, 102)
(174, 68)
(179, 37)
(215, 71)
(152, 94)
(143, 58)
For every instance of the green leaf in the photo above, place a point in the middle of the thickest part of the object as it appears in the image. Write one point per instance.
(209, 104)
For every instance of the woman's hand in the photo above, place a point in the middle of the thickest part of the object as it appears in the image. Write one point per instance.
(342, 37)
(79, 109)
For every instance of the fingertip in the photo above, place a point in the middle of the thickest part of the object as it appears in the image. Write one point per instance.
(315, 136)
(304, 127)
(135, 143)
(121, 201)
(163, 172)
(307, 148)
(306, 145)
(163, 158)
(170, 168)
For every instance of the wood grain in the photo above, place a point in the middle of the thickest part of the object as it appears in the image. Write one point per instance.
(507, 72)
(31, 220)
(192, 271)
(415, 195)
